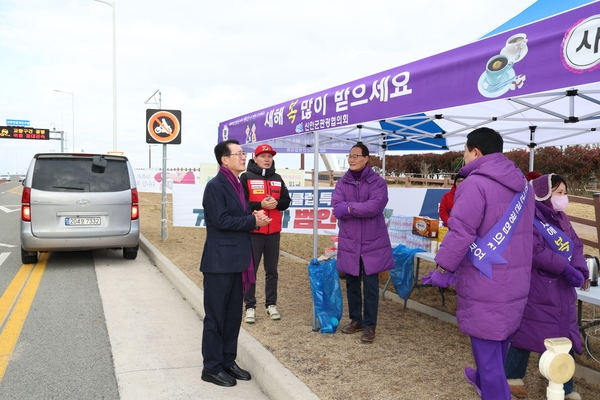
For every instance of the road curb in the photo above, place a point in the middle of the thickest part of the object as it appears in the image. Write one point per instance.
(278, 382)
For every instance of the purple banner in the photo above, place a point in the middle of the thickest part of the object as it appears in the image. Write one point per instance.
(558, 52)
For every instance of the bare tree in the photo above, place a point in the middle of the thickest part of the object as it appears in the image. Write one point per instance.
(425, 169)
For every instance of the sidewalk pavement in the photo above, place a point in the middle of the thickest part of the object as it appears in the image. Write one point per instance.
(268, 374)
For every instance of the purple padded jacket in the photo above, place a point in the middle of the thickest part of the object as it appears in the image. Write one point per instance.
(550, 310)
(489, 309)
(363, 232)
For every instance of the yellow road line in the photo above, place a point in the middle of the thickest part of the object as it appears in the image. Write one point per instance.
(10, 334)
(11, 293)
(18, 190)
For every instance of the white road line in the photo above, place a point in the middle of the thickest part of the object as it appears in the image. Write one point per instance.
(7, 245)
(3, 257)
(8, 210)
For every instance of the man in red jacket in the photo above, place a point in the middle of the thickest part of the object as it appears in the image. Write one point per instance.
(265, 190)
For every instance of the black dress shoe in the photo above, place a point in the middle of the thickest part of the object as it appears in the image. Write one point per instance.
(221, 379)
(238, 373)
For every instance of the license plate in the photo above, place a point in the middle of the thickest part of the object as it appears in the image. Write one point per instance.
(82, 221)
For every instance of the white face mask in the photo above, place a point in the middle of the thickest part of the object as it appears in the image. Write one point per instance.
(559, 203)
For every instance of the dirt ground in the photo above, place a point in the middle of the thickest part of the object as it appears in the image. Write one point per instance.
(414, 356)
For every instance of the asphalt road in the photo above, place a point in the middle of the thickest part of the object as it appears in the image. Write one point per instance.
(92, 325)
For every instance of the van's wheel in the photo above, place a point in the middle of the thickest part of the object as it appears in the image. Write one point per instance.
(29, 257)
(130, 253)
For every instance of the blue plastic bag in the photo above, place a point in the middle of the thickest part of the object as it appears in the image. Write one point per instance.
(326, 292)
(403, 272)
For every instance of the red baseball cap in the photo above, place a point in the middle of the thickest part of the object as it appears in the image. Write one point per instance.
(264, 148)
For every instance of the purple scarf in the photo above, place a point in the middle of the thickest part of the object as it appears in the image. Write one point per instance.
(357, 174)
(248, 277)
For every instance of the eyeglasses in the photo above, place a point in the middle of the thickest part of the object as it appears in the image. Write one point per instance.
(354, 156)
(238, 154)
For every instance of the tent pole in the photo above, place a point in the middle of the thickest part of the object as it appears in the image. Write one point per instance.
(315, 212)
(316, 197)
(531, 154)
(531, 146)
(382, 149)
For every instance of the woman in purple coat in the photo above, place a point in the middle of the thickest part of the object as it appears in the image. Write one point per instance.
(557, 270)
(364, 247)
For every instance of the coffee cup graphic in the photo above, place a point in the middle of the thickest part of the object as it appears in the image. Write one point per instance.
(515, 47)
(495, 69)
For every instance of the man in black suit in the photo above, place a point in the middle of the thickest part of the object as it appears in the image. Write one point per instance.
(225, 264)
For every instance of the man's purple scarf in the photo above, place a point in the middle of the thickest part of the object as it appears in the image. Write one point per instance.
(248, 277)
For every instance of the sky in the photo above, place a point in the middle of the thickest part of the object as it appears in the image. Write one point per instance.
(213, 61)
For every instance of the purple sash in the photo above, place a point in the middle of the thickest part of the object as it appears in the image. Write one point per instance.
(559, 242)
(486, 251)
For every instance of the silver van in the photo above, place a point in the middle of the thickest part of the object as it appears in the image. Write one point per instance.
(76, 202)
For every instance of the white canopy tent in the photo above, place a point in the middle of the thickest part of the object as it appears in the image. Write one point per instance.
(537, 84)
(545, 91)
(549, 95)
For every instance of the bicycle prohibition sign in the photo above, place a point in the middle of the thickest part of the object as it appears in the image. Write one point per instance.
(163, 126)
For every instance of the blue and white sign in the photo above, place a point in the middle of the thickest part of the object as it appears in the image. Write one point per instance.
(17, 122)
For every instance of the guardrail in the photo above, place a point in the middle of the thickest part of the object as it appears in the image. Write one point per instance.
(409, 180)
(595, 202)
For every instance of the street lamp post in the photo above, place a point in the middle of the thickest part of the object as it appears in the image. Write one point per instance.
(150, 146)
(72, 114)
(114, 72)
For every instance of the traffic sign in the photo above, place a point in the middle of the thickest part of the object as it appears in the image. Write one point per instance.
(19, 132)
(17, 122)
(163, 126)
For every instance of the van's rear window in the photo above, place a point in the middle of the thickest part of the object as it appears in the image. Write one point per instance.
(79, 175)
